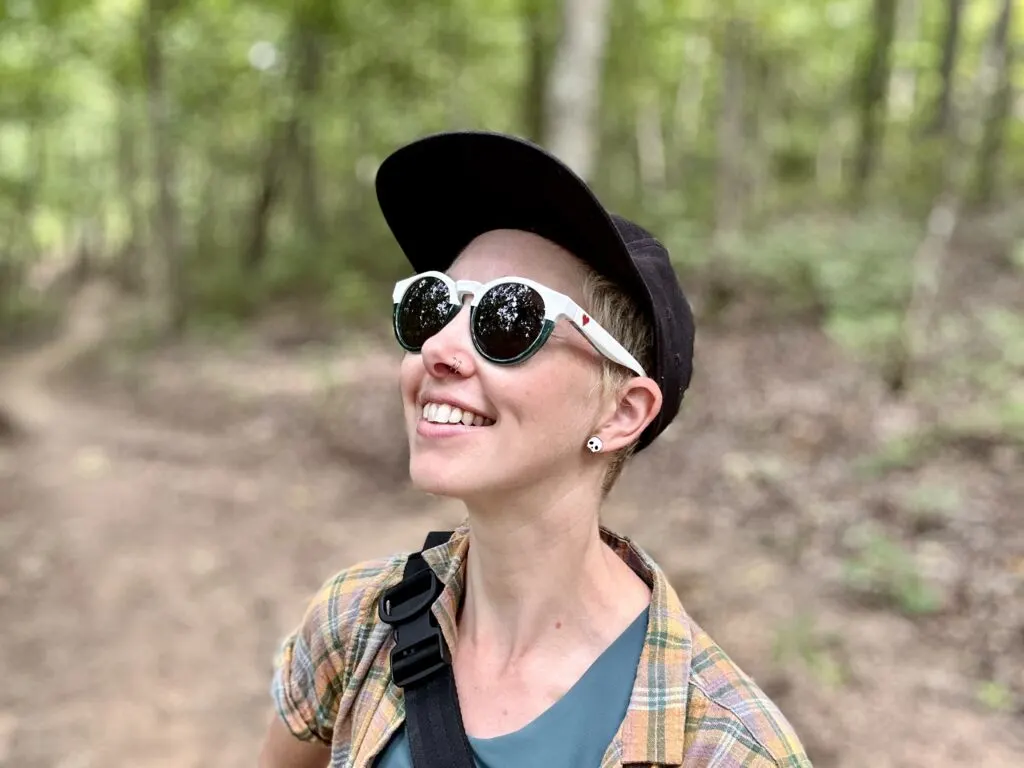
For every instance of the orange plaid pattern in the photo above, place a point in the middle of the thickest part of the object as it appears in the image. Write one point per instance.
(690, 705)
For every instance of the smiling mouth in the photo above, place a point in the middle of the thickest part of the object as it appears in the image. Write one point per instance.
(443, 413)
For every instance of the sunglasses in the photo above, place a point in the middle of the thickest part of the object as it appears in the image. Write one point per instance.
(510, 318)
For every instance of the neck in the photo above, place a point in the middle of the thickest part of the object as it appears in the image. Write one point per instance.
(539, 576)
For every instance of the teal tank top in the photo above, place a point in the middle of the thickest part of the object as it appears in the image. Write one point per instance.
(574, 732)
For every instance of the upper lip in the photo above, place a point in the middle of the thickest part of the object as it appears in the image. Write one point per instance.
(452, 401)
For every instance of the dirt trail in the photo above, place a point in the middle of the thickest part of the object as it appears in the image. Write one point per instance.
(156, 543)
(147, 572)
(23, 386)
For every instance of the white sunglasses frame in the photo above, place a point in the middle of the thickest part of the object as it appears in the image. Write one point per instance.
(556, 306)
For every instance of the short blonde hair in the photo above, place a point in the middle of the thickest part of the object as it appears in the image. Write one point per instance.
(618, 314)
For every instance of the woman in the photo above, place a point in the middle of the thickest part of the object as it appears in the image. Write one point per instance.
(555, 642)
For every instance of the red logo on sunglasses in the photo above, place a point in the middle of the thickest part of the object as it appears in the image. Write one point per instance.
(586, 319)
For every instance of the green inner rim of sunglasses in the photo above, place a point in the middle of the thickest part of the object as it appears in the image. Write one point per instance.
(534, 346)
(436, 288)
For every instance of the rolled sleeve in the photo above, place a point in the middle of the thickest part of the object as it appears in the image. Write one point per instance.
(306, 676)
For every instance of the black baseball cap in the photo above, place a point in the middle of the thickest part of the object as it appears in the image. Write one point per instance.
(440, 192)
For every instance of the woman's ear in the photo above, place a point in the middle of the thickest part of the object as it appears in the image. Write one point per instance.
(637, 403)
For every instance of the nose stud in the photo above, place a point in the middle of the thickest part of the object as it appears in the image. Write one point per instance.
(455, 364)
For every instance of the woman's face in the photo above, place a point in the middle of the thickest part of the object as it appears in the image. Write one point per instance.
(538, 414)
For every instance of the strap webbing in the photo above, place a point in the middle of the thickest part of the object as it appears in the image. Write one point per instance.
(433, 720)
(433, 724)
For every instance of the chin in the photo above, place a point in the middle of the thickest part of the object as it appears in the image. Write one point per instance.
(446, 476)
(469, 478)
(455, 466)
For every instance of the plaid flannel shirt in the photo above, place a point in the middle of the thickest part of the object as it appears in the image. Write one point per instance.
(690, 704)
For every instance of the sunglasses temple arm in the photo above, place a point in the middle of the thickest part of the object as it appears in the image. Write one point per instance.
(604, 342)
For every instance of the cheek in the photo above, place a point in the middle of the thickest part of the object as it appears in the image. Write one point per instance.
(561, 395)
(410, 375)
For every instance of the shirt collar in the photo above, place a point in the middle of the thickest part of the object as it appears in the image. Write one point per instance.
(653, 729)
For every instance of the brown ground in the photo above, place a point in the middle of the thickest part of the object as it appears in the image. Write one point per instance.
(163, 520)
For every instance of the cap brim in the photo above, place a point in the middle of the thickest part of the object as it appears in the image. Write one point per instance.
(440, 192)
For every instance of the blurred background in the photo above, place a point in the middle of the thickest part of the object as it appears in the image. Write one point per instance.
(198, 406)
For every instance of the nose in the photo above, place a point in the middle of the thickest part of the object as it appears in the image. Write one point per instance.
(450, 350)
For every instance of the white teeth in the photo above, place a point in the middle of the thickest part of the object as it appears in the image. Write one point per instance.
(443, 413)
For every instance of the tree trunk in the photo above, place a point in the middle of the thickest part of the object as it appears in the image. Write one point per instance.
(10, 428)
(307, 86)
(292, 138)
(688, 107)
(571, 113)
(130, 263)
(168, 219)
(914, 354)
(452, 37)
(267, 193)
(994, 130)
(19, 240)
(211, 200)
(758, 116)
(730, 182)
(871, 85)
(903, 83)
(537, 20)
(947, 66)
(828, 160)
(650, 144)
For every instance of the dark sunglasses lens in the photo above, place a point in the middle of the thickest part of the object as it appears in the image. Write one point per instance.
(508, 320)
(424, 310)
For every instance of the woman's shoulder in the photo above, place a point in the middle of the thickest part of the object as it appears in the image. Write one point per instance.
(723, 697)
(348, 598)
(313, 664)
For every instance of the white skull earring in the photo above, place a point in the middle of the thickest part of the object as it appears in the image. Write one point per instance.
(594, 444)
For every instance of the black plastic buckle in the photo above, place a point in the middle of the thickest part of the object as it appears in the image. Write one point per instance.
(420, 649)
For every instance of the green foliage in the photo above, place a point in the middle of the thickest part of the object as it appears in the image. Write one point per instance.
(990, 363)
(995, 696)
(893, 455)
(25, 315)
(800, 640)
(881, 567)
(345, 83)
(1017, 255)
(933, 505)
(856, 272)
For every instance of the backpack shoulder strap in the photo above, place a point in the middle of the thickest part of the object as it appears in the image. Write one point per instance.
(421, 666)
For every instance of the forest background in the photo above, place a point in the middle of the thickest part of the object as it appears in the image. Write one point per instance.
(198, 418)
